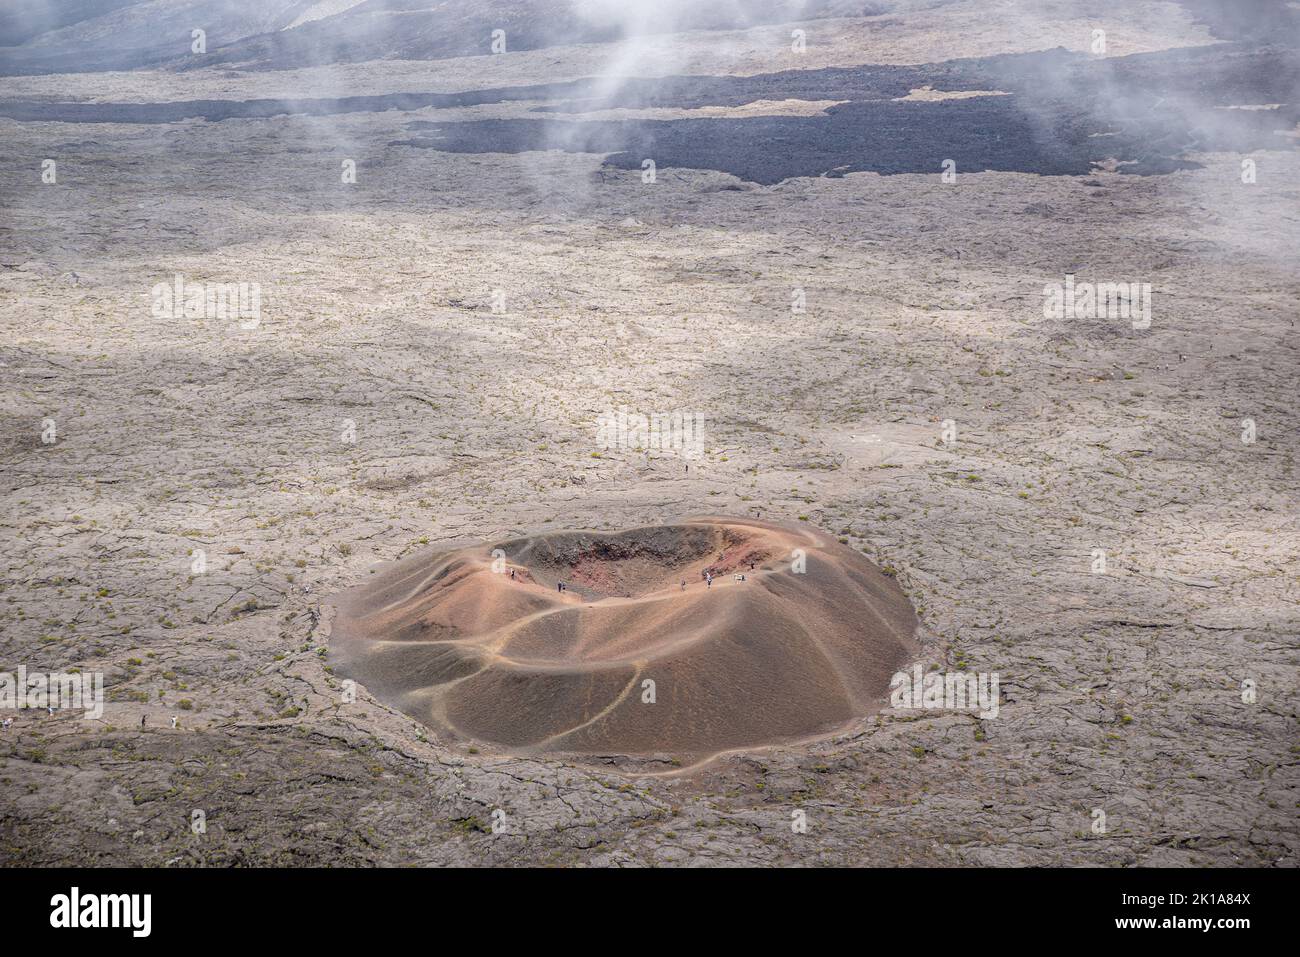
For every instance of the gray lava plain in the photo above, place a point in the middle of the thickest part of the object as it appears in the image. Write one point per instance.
(438, 340)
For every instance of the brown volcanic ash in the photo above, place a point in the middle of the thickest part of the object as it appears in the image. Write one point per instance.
(518, 664)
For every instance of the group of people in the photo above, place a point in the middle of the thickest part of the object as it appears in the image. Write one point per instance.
(561, 587)
(176, 721)
(144, 720)
(707, 573)
(8, 722)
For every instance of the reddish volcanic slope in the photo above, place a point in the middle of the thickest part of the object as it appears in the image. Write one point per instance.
(625, 661)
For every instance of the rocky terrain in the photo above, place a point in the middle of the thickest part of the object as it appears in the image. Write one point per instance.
(1102, 512)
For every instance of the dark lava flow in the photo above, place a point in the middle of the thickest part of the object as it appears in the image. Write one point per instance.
(1063, 112)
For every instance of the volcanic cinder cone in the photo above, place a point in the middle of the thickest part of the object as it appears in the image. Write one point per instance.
(801, 647)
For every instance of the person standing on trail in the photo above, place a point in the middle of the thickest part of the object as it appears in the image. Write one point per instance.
(175, 721)
(683, 584)
(708, 581)
(143, 718)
